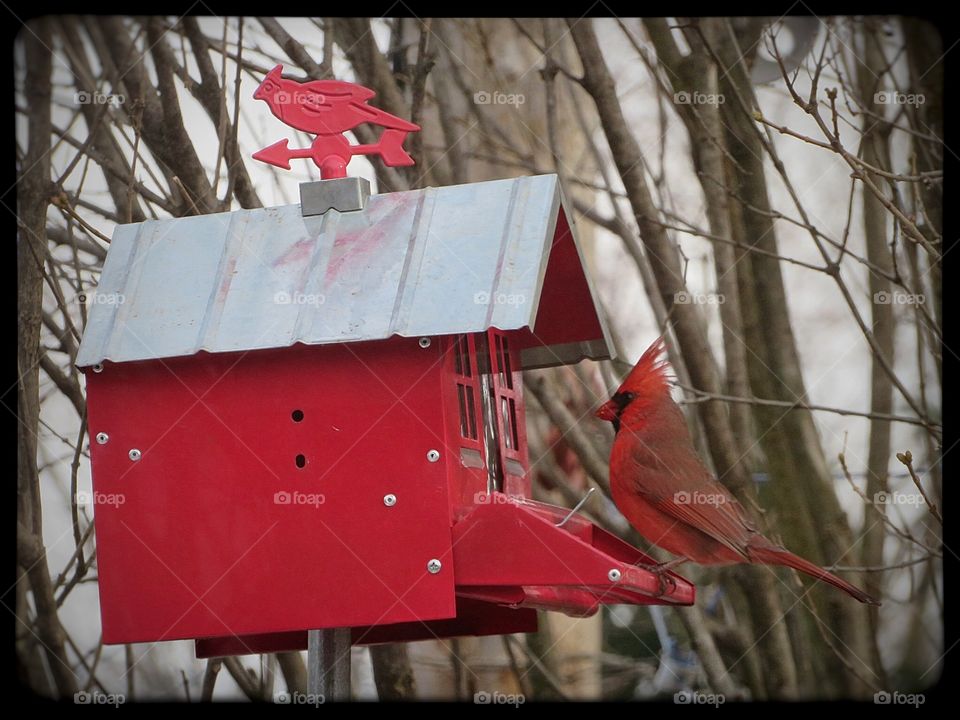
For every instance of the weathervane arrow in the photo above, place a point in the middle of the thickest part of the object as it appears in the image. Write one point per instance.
(328, 108)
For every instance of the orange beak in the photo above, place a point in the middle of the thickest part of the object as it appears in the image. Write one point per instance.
(607, 411)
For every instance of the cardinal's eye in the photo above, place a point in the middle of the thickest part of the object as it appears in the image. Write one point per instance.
(622, 399)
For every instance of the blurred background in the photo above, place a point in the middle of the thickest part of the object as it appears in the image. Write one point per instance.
(765, 191)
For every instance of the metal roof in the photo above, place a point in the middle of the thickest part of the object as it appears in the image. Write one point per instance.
(435, 261)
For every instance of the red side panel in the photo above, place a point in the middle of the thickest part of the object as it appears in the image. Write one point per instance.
(258, 503)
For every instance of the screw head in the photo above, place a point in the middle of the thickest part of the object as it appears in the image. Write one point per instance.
(433, 566)
(433, 455)
(390, 500)
(98, 368)
(102, 438)
(135, 454)
(424, 342)
(614, 575)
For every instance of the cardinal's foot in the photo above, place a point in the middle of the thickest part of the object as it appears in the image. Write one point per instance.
(666, 584)
(662, 571)
(663, 566)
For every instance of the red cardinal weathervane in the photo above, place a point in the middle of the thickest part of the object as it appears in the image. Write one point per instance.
(328, 108)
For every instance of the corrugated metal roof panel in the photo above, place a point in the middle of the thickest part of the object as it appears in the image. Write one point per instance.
(435, 261)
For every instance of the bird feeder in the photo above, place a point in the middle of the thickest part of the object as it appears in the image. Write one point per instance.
(314, 415)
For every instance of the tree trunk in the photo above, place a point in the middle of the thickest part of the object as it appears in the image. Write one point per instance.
(34, 191)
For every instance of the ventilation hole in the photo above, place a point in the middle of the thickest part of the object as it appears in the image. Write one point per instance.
(301, 461)
(505, 420)
(513, 424)
(508, 371)
(458, 364)
(297, 415)
(462, 400)
(471, 414)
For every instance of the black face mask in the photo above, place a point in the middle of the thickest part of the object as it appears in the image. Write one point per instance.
(621, 400)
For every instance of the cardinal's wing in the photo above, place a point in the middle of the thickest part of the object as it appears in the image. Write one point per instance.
(384, 119)
(685, 490)
(339, 90)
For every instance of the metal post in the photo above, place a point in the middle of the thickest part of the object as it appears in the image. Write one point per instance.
(328, 664)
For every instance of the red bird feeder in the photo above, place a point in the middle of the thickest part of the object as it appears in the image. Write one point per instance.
(314, 415)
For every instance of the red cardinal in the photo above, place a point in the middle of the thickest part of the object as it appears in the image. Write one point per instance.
(669, 495)
(323, 107)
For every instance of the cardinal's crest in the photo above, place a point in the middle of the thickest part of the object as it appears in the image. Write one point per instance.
(327, 109)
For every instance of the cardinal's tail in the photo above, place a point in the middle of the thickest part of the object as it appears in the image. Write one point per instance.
(385, 119)
(779, 556)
